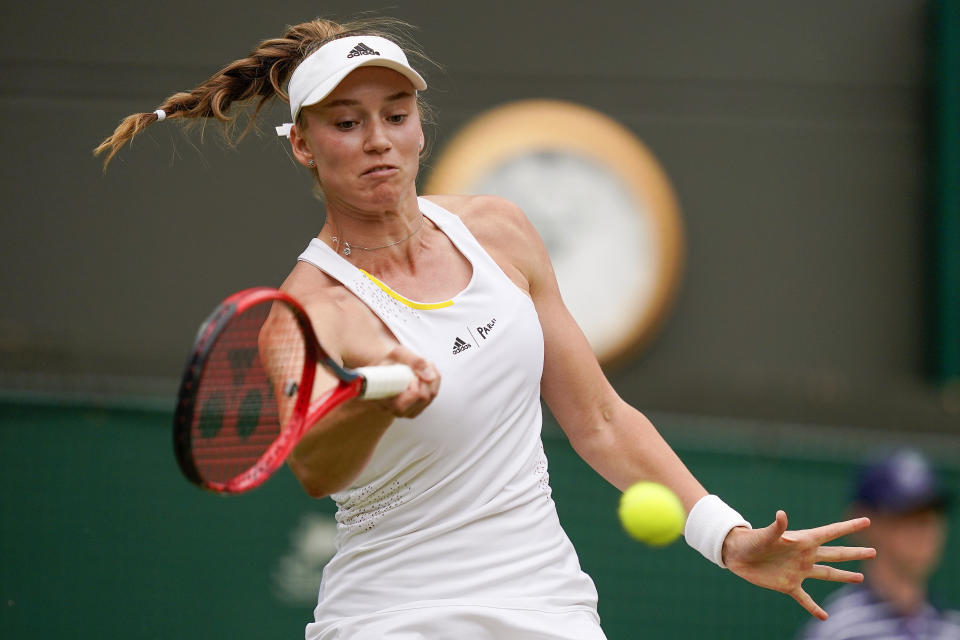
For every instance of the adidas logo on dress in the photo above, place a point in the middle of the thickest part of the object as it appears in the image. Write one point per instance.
(459, 345)
(362, 50)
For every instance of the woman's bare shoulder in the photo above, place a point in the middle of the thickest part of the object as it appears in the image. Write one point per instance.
(489, 218)
(504, 231)
(313, 288)
(344, 324)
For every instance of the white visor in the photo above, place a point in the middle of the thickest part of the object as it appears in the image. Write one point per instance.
(321, 71)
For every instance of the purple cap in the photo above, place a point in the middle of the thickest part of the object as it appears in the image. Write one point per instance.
(900, 482)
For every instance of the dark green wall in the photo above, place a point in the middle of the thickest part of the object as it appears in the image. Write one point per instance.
(102, 538)
(946, 180)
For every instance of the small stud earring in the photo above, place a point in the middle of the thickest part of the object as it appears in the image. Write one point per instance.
(311, 163)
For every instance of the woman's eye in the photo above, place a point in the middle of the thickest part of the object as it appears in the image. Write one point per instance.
(346, 125)
(397, 118)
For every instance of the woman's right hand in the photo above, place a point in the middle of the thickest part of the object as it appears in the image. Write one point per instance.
(422, 389)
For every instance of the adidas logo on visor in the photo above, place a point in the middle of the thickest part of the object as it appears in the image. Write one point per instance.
(362, 50)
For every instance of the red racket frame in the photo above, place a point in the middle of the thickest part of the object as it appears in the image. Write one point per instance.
(304, 413)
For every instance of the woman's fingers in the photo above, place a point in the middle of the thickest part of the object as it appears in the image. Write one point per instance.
(805, 601)
(824, 572)
(778, 559)
(422, 389)
(778, 527)
(845, 554)
(836, 530)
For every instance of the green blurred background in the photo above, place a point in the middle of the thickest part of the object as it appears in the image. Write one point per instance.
(815, 151)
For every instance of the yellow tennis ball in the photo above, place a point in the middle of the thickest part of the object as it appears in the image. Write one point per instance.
(651, 513)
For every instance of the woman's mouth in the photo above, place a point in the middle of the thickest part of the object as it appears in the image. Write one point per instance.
(380, 170)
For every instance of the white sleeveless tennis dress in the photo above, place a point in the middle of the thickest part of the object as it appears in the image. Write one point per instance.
(450, 530)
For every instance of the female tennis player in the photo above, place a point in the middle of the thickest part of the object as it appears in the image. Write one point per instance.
(446, 525)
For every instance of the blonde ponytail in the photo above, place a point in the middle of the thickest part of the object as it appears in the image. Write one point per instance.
(254, 79)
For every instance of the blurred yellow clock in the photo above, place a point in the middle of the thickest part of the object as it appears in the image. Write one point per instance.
(599, 199)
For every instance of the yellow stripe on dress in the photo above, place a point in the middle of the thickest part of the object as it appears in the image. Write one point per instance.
(410, 303)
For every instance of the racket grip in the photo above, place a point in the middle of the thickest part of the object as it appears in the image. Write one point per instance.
(386, 380)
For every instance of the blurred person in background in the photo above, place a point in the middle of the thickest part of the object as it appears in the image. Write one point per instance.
(903, 497)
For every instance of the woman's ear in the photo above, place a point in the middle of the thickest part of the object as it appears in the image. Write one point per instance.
(301, 150)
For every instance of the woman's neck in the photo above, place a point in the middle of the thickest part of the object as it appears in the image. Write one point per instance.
(351, 229)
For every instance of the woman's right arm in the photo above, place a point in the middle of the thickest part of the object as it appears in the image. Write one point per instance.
(335, 449)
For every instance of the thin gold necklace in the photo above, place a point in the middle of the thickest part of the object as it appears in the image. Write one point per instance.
(347, 247)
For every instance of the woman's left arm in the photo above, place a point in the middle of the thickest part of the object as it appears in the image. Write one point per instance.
(614, 438)
(624, 447)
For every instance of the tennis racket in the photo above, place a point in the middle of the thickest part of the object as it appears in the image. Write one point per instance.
(245, 397)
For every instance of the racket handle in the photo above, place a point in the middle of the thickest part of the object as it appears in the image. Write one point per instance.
(386, 380)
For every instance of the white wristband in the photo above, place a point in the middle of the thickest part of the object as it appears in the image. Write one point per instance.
(708, 524)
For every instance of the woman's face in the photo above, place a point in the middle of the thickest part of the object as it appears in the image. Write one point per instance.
(365, 138)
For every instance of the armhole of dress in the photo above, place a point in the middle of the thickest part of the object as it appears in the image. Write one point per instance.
(461, 236)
